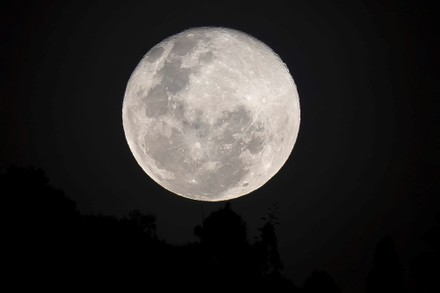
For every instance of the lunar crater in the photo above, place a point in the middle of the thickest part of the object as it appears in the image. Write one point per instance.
(154, 54)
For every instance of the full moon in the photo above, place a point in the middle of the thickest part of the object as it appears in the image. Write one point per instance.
(211, 114)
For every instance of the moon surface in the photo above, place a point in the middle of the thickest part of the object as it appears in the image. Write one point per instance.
(211, 113)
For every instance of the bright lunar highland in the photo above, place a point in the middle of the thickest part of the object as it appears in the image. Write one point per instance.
(211, 113)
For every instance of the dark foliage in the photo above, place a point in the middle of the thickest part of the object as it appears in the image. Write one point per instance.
(49, 245)
(425, 269)
(386, 275)
(320, 281)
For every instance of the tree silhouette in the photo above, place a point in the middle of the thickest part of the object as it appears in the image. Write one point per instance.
(266, 245)
(223, 228)
(386, 275)
(241, 265)
(41, 223)
(145, 224)
(50, 244)
(320, 282)
(425, 269)
(224, 244)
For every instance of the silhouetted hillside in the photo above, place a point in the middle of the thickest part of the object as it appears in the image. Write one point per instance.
(50, 245)
(320, 281)
(425, 269)
(386, 275)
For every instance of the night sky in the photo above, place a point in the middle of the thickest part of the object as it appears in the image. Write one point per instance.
(366, 161)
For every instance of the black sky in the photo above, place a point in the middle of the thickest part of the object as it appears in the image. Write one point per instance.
(366, 159)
